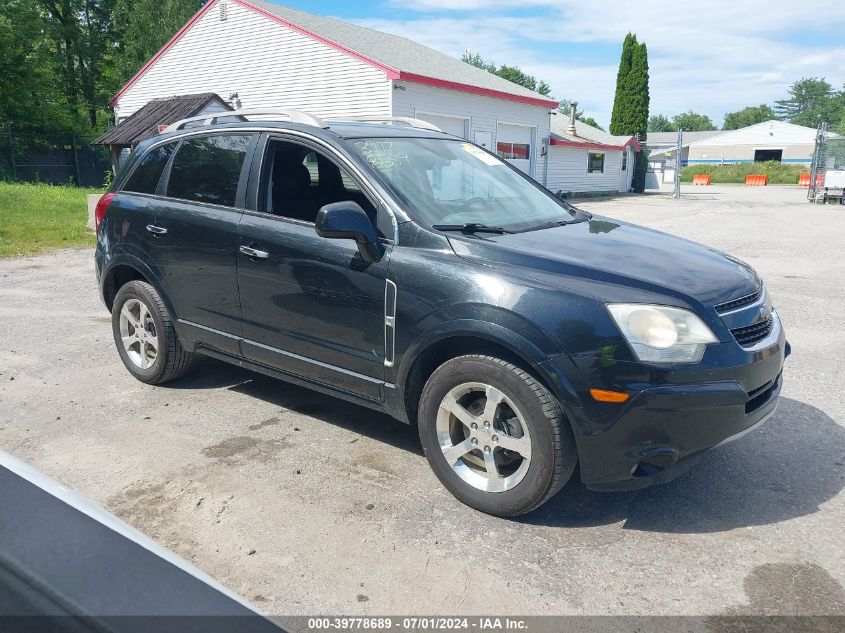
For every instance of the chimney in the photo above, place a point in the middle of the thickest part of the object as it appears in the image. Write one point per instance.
(573, 108)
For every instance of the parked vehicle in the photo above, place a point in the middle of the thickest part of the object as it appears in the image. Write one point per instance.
(68, 566)
(410, 271)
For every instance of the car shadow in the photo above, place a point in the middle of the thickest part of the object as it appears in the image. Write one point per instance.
(784, 470)
(215, 374)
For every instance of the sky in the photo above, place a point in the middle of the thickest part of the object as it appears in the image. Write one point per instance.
(711, 57)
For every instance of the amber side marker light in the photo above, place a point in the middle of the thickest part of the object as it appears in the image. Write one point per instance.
(603, 395)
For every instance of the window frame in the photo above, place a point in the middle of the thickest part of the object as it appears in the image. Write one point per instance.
(136, 165)
(243, 178)
(386, 222)
(603, 161)
(526, 145)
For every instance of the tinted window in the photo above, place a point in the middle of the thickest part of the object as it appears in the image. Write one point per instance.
(148, 172)
(208, 169)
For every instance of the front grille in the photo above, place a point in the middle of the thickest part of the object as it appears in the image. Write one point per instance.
(750, 334)
(740, 302)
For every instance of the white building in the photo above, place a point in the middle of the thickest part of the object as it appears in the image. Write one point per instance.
(262, 55)
(770, 140)
(585, 159)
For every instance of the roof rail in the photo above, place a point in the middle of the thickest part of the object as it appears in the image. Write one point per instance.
(295, 116)
(409, 121)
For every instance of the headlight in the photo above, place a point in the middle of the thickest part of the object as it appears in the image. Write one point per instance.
(660, 334)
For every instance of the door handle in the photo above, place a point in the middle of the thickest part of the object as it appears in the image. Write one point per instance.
(254, 252)
(156, 230)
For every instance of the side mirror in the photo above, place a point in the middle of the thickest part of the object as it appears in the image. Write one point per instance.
(348, 221)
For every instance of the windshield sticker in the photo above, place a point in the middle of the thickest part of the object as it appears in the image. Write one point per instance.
(480, 154)
(380, 155)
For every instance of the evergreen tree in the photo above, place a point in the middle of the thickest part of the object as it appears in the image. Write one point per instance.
(618, 115)
(630, 107)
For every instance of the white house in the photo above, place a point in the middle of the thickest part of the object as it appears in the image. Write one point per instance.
(261, 55)
(583, 159)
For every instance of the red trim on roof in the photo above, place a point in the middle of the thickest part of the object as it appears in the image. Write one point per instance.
(390, 72)
(591, 145)
(161, 52)
(487, 92)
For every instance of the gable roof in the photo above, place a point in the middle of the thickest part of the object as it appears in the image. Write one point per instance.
(399, 57)
(588, 136)
(144, 123)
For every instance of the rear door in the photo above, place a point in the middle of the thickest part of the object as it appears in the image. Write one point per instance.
(193, 235)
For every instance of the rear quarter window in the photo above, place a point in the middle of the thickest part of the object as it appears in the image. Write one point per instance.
(145, 177)
(208, 169)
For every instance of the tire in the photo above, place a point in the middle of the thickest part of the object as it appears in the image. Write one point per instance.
(526, 418)
(143, 304)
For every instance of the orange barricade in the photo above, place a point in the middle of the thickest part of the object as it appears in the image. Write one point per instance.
(756, 180)
(701, 179)
(804, 180)
(819, 181)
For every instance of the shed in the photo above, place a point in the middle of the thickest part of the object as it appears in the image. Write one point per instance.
(154, 116)
(585, 159)
(272, 56)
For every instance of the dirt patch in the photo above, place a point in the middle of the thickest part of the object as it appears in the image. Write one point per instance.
(243, 446)
(267, 422)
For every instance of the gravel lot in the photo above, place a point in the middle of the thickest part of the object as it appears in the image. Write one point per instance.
(341, 509)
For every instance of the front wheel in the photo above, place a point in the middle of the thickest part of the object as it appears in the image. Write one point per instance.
(494, 436)
(144, 335)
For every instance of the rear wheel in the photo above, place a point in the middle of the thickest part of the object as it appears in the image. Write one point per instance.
(144, 335)
(494, 436)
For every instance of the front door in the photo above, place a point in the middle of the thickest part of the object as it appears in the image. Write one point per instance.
(193, 236)
(311, 306)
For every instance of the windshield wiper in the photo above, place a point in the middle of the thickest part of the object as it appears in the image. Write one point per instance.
(469, 227)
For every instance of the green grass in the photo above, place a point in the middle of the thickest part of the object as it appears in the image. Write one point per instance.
(35, 218)
(778, 173)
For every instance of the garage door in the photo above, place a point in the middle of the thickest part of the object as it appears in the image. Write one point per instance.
(449, 124)
(513, 143)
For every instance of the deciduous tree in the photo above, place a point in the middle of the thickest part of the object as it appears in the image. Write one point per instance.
(748, 116)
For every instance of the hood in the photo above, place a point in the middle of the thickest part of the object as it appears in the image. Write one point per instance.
(613, 252)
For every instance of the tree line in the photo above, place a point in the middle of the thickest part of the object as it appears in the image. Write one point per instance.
(61, 61)
(809, 101)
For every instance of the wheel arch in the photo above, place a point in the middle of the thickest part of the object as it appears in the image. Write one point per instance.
(123, 269)
(470, 337)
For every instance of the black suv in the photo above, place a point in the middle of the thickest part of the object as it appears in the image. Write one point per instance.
(404, 269)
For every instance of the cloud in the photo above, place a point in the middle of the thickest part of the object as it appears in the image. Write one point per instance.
(712, 58)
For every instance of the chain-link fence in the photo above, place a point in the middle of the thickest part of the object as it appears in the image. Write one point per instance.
(664, 165)
(52, 158)
(827, 173)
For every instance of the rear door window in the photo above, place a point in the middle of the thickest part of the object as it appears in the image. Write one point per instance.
(145, 177)
(208, 169)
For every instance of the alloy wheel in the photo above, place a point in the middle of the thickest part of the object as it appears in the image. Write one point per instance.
(484, 437)
(138, 333)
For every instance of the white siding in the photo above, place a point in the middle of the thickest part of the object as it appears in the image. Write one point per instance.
(485, 113)
(267, 64)
(568, 171)
(766, 134)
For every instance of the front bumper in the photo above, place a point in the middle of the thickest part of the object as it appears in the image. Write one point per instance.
(674, 415)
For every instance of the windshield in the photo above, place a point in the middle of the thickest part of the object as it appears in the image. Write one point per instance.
(451, 182)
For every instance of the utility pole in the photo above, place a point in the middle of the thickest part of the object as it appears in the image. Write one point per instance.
(678, 154)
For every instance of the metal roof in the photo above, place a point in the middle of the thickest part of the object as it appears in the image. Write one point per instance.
(671, 138)
(164, 111)
(397, 53)
(585, 133)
